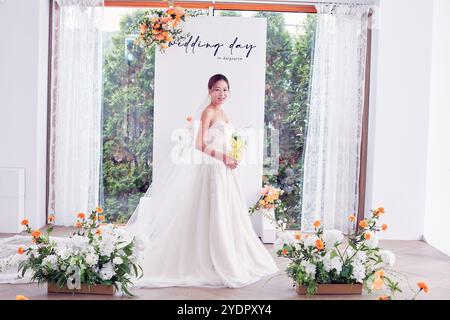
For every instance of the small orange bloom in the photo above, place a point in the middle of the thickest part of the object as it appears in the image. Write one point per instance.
(99, 209)
(298, 236)
(20, 250)
(51, 218)
(78, 224)
(284, 252)
(98, 231)
(379, 273)
(423, 286)
(319, 244)
(81, 215)
(316, 224)
(378, 283)
(367, 235)
(383, 297)
(384, 227)
(379, 211)
(24, 222)
(21, 297)
(363, 224)
(101, 218)
(352, 218)
(95, 218)
(36, 234)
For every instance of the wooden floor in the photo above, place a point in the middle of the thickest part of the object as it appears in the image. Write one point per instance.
(415, 261)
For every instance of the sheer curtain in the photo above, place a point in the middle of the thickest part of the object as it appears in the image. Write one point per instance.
(330, 185)
(75, 121)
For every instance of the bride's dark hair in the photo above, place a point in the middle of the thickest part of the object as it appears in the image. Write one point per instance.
(217, 77)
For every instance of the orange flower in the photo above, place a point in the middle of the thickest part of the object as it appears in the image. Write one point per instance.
(99, 232)
(423, 286)
(352, 218)
(51, 218)
(379, 211)
(95, 218)
(363, 224)
(316, 224)
(81, 215)
(36, 234)
(298, 236)
(284, 252)
(189, 118)
(384, 227)
(101, 218)
(378, 283)
(99, 209)
(379, 273)
(21, 297)
(142, 28)
(383, 297)
(78, 224)
(20, 250)
(24, 222)
(319, 244)
(367, 235)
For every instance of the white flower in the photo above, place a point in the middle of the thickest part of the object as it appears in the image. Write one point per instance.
(79, 242)
(91, 259)
(331, 237)
(330, 264)
(359, 272)
(106, 249)
(50, 261)
(310, 241)
(388, 257)
(64, 253)
(117, 260)
(107, 271)
(310, 268)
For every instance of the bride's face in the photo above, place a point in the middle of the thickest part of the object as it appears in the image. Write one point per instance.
(219, 92)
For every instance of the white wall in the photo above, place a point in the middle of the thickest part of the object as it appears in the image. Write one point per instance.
(23, 97)
(437, 218)
(399, 115)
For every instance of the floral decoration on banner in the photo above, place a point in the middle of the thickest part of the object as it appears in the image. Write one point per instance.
(96, 254)
(330, 257)
(161, 26)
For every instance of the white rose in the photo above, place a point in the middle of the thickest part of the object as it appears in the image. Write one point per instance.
(117, 260)
(388, 257)
(91, 259)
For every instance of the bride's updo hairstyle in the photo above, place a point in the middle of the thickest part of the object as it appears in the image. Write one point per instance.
(217, 77)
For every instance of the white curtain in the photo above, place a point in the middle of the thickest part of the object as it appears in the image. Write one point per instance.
(75, 121)
(330, 185)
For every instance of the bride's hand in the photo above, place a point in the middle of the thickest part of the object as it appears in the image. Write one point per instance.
(230, 162)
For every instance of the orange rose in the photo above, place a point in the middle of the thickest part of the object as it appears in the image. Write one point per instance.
(284, 252)
(21, 297)
(51, 218)
(379, 211)
(352, 218)
(24, 222)
(36, 234)
(367, 235)
(423, 286)
(363, 224)
(99, 209)
(20, 250)
(101, 218)
(298, 236)
(384, 227)
(316, 224)
(319, 244)
(383, 297)
(81, 215)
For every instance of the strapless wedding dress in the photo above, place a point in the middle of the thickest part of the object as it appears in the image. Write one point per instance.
(207, 239)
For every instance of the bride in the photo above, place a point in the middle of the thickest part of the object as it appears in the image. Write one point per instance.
(196, 217)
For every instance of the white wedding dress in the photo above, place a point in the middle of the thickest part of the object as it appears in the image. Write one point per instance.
(198, 225)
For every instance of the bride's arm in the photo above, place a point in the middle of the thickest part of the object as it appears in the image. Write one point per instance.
(200, 144)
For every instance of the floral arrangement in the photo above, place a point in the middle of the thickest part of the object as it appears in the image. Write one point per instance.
(237, 146)
(269, 199)
(160, 27)
(95, 254)
(327, 256)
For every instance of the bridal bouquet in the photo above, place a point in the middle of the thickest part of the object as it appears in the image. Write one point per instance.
(95, 254)
(237, 146)
(329, 257)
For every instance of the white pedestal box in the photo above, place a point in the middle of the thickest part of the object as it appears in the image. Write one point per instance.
(12, 199)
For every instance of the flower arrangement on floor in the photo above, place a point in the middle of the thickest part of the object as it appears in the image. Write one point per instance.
(161, 26)
(95, 254)
(329, 257)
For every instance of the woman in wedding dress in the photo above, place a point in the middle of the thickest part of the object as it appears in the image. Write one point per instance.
(196, 218)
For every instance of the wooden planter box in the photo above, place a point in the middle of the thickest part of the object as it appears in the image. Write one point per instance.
(89, 289)
(333, 288)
